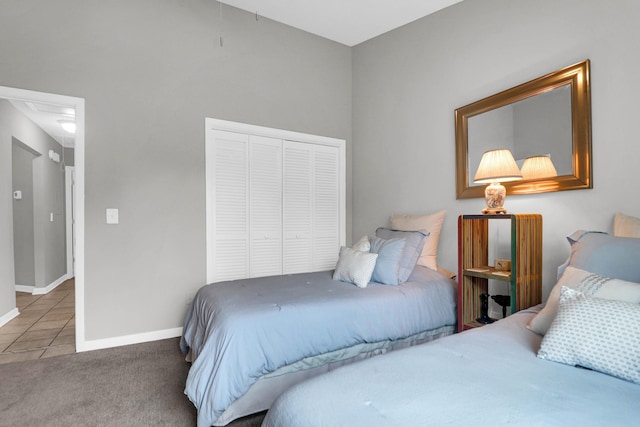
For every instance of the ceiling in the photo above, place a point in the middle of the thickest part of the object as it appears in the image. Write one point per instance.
(48, 118)
(349, 22)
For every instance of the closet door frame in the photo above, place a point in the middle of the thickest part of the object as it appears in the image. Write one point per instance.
(212, 125)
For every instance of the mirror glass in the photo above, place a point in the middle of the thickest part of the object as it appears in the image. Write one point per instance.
(549, 116)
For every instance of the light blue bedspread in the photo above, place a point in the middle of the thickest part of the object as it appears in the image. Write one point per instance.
(488, 376)
(240, 330)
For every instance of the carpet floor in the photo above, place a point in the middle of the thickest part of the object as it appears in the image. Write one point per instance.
(135, 385)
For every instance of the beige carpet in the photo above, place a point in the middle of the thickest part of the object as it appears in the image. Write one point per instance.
(136, 385)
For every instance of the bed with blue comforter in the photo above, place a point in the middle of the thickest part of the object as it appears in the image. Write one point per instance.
(488, 376)
(243, 332)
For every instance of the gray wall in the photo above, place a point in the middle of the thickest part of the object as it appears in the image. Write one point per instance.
(23, 230)
(542, 125)
(408, 82)
(7, 283)
(150, 72)
(48, 246)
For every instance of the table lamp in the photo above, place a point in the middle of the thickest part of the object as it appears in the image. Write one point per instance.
(538, 167)
(496, 166)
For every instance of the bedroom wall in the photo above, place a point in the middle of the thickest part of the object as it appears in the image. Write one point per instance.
(150, 72)
(408, 82)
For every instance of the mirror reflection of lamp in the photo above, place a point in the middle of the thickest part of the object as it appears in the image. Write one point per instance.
(538, 167)
(496, 166)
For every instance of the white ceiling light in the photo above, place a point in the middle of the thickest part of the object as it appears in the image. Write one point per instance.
(68, 125)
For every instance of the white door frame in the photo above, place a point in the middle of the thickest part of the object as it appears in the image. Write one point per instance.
(69, 200)
(78, 105)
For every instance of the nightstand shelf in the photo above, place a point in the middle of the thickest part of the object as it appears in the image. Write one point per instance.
(474, 271)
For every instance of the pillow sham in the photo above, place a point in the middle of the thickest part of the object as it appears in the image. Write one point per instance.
(362, 245)
(590, 284)
(411, 252)
(595, 333)
(626, 226)
(601, 253)
(387, 267)
(355, 267)
(431, 225)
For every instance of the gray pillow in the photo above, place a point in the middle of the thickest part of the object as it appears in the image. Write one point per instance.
(388, 262)
(606, 255)
(412, 248)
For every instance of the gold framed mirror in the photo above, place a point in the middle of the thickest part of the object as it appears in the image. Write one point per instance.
(549, 116)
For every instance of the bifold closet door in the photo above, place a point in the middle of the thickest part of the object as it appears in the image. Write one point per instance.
(273, 206)
(310, 207)
(229, 158)
(265, 206)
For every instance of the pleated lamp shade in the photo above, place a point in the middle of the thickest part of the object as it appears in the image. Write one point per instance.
(497, 166)
(538, 167)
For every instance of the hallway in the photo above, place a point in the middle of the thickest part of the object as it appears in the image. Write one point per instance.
(45, 326)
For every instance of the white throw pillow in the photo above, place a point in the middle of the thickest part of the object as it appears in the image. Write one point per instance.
(429, 224)
(362, 245)
(590, 284)
(355, 267)
(595, 333)
(626, 226)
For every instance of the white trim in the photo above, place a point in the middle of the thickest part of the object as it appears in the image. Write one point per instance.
(33, 290)
(78, 105)
(68, 191)
(129, 339)
(12, 314)
(248, 129)
(25, 288)
(51, 286)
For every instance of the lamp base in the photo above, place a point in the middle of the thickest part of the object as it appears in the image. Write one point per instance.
(494, 211)
(495, 195)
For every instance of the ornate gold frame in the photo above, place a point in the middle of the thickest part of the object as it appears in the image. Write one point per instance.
(577, 76)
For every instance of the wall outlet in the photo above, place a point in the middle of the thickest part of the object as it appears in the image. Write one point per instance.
(112, 216)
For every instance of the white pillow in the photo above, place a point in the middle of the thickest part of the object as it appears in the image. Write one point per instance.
(362, 245)
(626, 226)
(590, 284)
(429, 224)
(355, 267)
(595, 333)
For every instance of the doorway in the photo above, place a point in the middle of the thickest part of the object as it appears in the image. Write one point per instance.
(74, 243)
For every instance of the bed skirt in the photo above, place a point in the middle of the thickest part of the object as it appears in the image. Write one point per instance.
(265, 391)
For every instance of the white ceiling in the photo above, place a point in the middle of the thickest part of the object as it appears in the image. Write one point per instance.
(47, 117)
(349, 22)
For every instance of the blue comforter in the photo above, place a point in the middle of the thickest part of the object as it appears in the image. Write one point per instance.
(240, 330)
(488, 376)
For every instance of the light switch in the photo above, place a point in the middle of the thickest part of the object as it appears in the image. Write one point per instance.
(112, 216)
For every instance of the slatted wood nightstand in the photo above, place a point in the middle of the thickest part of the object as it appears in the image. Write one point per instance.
(474, 272)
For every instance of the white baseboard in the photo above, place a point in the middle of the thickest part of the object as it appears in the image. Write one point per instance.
(13, 313)
(33, 290)
(25, 288)
(51, 286)
(82, 345)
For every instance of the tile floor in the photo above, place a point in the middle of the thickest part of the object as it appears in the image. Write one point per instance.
(45, 326)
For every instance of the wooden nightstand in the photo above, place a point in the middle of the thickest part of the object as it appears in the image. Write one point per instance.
(474, 272)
